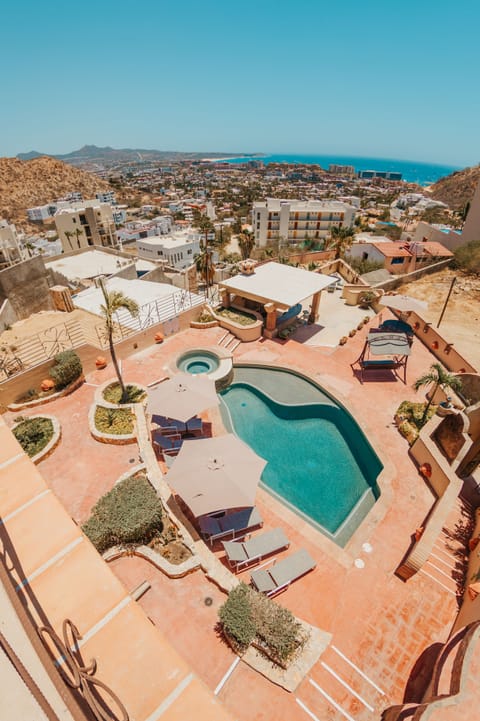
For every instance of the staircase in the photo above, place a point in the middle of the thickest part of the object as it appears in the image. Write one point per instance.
(229, 341)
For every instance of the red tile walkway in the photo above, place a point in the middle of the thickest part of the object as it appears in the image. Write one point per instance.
(379, 624)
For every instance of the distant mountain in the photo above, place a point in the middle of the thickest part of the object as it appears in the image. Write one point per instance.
(458, 188)
(26, 183)
(110, 156)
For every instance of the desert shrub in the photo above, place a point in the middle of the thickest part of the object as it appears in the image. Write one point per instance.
(362, 266)
(205, 316)
(129, 514)
(67, 368)
(33, 434)
(409, 419)
(117, 421)
(467, 257)
(113, 393)
(236, 617)
(30, 395)
(248, 616)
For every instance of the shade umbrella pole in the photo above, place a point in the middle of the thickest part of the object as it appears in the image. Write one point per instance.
(446, 301)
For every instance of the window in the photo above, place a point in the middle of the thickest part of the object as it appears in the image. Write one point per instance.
(396, 261)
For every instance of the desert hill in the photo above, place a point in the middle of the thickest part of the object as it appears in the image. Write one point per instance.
(458, 188)
(26, 183)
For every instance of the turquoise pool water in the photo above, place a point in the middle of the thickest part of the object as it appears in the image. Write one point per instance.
(198, 362)
(319, 461)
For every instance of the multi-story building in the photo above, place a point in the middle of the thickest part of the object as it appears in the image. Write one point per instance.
(108, 197)
(384, 174)
(83, 224)
(42, 212)
(336, 169)
(10, 249)
(293, 221)
(178, 250)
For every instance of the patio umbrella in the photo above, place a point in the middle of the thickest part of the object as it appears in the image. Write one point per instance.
(216, 474)
(403, 303)
(182, 396)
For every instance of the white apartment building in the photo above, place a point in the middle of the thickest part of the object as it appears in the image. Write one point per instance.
(179, 249)
(84, 224)
(293, 221)
(108, 197)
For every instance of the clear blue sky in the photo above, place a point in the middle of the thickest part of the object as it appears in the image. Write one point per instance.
(373, 78)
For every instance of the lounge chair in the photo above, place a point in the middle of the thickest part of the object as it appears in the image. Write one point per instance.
(243, 553)
(233, 524)
(166, 444)
(195, 425)
(169, 423)
(279, 576)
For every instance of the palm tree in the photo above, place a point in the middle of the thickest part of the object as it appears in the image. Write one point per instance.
(340, 239)
(114, 301)
(437, 377)
(246, 243)
(78, 232)
(69, 235)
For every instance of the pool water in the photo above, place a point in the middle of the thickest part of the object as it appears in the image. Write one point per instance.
(319, 461)
(198, 362)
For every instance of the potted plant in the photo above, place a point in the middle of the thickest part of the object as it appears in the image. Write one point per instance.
(366, 299)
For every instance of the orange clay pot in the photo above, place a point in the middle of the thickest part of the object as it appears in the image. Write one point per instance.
(159, 337)
(101, 362)
(47, 384)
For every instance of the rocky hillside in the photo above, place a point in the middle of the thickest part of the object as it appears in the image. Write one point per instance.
(25, 183)
(458, 188)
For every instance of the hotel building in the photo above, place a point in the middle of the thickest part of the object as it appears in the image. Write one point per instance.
(293, 221)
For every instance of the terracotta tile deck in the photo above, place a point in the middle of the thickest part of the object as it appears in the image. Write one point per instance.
(379, 624)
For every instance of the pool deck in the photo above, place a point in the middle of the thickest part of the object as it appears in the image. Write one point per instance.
(379, 624)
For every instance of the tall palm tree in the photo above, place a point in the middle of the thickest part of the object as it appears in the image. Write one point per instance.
(246, 243)
(69, 235)
(437, 377)
(114, 301)
(340, 239)
(78, 232)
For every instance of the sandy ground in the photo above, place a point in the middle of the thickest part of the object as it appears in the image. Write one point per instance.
(461, 322)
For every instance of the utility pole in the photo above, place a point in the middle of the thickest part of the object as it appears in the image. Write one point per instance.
(446, 301)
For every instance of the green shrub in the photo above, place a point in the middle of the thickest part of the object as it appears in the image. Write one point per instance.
(113, 393)
(129, 514)
(247, 616)
(116, 421)
(33, 434)
(236, 617)
(67, 368)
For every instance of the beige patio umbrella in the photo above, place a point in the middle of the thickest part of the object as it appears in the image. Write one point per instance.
(182, 397)
(216, 474)
(403, 303)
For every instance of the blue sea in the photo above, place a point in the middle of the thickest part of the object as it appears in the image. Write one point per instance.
(412, 171)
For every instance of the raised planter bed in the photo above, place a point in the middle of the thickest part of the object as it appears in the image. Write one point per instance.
(52, 443)
(118, 439)
(100, 400)
(245, 333)
(48, 398)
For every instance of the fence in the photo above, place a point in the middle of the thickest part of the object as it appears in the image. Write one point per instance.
(43, 346)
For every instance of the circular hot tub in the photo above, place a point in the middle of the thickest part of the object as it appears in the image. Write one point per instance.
(197, 361)
(216, 363)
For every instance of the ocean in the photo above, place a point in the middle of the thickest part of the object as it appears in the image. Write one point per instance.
(412, 171)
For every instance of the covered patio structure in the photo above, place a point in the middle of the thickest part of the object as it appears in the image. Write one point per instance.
(276, 287)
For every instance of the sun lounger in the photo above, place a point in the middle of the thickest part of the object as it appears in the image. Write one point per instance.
(232, 524)
(195, 425)
(244, 553)
(169, 423)
(166, 444)
(280, 575)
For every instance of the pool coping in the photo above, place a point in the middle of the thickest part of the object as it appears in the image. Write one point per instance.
(375, 515)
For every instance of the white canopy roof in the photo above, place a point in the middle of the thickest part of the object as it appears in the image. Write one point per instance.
(282, 284)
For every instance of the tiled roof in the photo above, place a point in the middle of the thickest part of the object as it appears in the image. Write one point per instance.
(432, 247)
(392, 250)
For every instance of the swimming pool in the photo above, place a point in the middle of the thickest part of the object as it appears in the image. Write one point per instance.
(319, 461)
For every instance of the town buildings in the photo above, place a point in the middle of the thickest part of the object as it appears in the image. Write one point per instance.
(293, 221)
(395, 256)
(10, 249)
(85, 223)
(179, 249)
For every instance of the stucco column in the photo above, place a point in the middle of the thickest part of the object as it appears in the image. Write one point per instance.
(271, 320)
(313, 317)
(225, 298)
